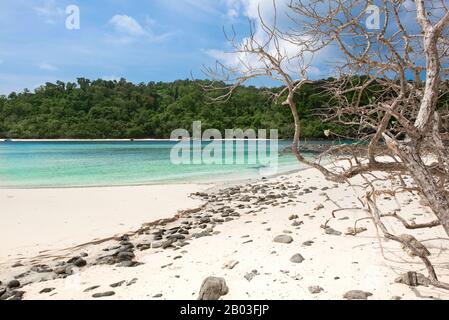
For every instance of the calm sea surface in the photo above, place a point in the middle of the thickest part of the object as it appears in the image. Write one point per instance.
(65, 164)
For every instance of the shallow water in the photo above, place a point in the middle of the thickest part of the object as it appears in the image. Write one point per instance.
(80, 163)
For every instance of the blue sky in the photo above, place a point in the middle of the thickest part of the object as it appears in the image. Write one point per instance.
(140, 40)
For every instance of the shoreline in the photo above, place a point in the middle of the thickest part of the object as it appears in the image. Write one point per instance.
(231, 235)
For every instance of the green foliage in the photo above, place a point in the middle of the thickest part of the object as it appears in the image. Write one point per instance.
(120, 109)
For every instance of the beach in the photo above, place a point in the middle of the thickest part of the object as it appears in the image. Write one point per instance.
(275, 238)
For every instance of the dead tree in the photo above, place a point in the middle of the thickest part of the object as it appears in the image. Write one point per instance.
(401, 66)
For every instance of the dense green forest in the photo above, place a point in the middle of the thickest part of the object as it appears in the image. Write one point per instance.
(121, 109)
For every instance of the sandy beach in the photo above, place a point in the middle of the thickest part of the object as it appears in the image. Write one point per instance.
(39, 220)
(231, 235)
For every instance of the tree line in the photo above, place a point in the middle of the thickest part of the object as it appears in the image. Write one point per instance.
(120, 109)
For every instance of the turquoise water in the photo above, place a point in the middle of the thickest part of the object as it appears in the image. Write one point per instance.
(66, 164)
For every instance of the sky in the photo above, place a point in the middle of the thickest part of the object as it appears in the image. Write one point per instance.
(140, 40)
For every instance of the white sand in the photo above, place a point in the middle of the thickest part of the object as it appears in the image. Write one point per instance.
(36, 220)
(336, 263)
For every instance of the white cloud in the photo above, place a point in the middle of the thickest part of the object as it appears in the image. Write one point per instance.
(129, 30)
(128, 25)
(49, 11)
(47, 66)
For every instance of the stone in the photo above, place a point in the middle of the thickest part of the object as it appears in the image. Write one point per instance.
(249, 276)
(213, 288)
(159, 295)
(80, 262)
(131, 282)
(230, 264)
(16, 265)
(103, 294)
(125, 256)
(307, 243)
(297, 258)
(46, 290)
(117, 284)
(319, 207)
(13, 284)
(315, 289)
(283, 239)
(91, 288)
(357, 295)
(293, 217)
(413, 279)
(60, 270)
(333, 232)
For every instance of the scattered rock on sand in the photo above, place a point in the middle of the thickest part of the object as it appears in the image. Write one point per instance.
(315, 289)
(159, 295)
(413, 279)
(297, 258)
(283, 239)
(46, 290)
(13, 284)
(293, 217)
(213, 288)
(80, 262)
(103, 294)
(307, 243)
(117, 284)
(91, 288)
(319, 207)
(333, 232)
(357, 295)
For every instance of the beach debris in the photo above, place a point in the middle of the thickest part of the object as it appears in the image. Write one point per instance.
(413, 279)
(230, 264)
(103, 294)
(250, 275)
(417, 246)
(213, 288)
(357, 295)
(283, 239)
(315, 289)
(293, 217)
(297, 258)
(355, 231)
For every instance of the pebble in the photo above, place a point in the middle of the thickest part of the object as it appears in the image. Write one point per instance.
(297, 258)
(357, 295)
(283, 239)
(46, 290)
(315, 289)
(13, 284)
(103, 294)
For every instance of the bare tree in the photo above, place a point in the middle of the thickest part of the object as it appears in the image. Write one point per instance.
(401, 66)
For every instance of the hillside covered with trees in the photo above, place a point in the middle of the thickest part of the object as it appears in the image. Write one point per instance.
(121, 109)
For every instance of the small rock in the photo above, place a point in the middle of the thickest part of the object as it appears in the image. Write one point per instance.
(80, 262)
(413, 279)
(297, 258)
(103, 294)
(293, 217)
(357, 295)
(283, 239)
(91, 288)
(117, 284)
(319, 207)
(13, 284)
(307, 243)
(213, 288)
(355, 231)
(46, 290)
(331, 231)
(315, 289)
(159, 295)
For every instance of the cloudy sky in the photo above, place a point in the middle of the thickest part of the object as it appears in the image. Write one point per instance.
(140, 40)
